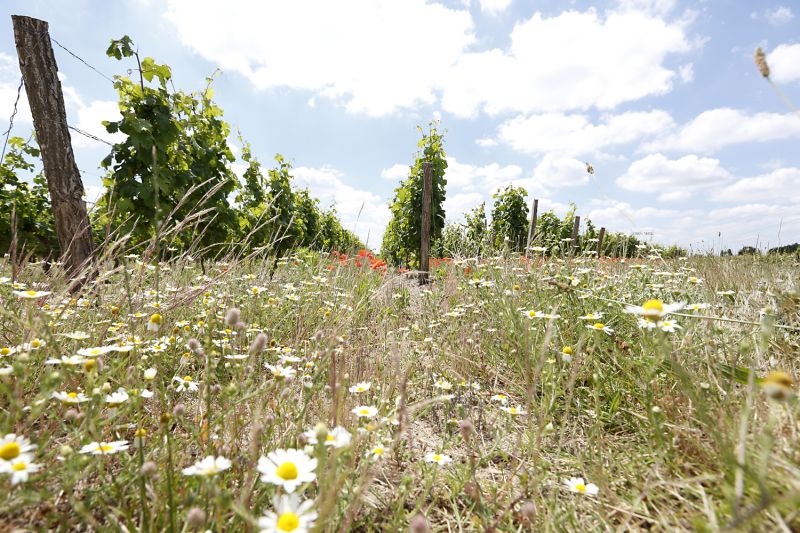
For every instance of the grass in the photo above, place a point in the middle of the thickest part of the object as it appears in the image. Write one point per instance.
(676, 430)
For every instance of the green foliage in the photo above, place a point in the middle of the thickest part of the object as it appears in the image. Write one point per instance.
(510, 218)
(174, 161)
(401, 240)
(29, 201)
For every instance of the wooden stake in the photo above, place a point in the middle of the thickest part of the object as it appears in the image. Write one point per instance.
(425, 241)
(600, 241)
(40, 73)
(532, 227)
(575, 227)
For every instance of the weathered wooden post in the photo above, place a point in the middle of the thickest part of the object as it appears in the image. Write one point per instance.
(532, 226)
(575, 227)
(40, 74)
(425, 241)
(600, 241)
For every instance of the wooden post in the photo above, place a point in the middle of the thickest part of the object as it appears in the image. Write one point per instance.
(40, 74)
(575, 226)
(532, 226)
(425, 241)
(600, 241)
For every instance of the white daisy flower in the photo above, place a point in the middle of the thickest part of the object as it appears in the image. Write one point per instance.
(210, 466)
(365, 411)
(514, 410)
(13, 446)
(599, 326)
(654, 309)
(117, 398)
(577, 484)
(287, 468)
(290, 515)
(70, 397)
(362, 386)
(19, 469)
(105, 448)
(438, 458)
(185, 383)
(31, 295)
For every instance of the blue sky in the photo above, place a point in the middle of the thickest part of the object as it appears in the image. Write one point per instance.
(662, 97)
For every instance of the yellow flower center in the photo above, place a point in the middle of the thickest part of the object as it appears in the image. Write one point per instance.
(72, 395)
(378, 451)
(567, 350)
(513, 410)
(156, 319)
(19, 467)
(599, 325)
(9, 450)
(105, 448)
(187, 378)
(5, 351)
(330, 438)
(437, 458)
(580, 487)
(653, 309)
(363, 412)
(31, 293)
(288, 521)
(36, 343)
(287, 471)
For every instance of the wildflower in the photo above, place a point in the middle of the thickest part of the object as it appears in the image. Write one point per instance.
(438, 458)
(533, 314)
(72, 360)
(105, 448)
(697, 307)
(150, 374)
(19, 468)
(566, 354)
(210, 466)
(362, 386)
(96, 351)
(185, 383)
(695, 281)
(77, 335)
(338, 437)
(502, 398)
(7, 350)
(280, 371)
(442, 384)
(365, 411)
(13, 446)
(778, 385)
(31, 295)
(668, 326)
(287, 468)
(591, 316)
(289, 515)
(577, 484)
(377, 451)
(599, 326)
(654, 309)
(70, 397)
(514, 410)
(155, 322)
(117, 398)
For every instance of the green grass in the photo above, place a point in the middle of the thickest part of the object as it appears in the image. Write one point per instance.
(673, 428)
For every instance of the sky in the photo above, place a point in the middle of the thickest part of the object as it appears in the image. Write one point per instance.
(690, 145)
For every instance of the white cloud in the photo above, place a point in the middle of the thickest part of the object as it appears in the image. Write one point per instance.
(686, 72)
(576, 134)
(554, 171)
(494, 6)
(575, 60)
(374, 56)
(463, 176)
(717, 128)
(780, 186)
(380, 56)
(328, 185)
(673, 179)
(775, 16)
(90, 118)
(396, 172)
(784, 63)
(9, 83)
